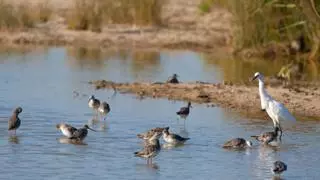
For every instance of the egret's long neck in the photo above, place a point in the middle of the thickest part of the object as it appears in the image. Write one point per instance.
(262, 91)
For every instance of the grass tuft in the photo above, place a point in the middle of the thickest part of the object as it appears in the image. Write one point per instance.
(92, 14)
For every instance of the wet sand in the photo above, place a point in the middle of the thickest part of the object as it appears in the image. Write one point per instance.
(302, 102)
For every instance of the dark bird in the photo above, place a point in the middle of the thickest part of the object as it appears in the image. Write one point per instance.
(81, 133)
(147, 135)
(279, 167)
(104, 109)
(184, 111)
(94, 103)
(151, 149)
(173, 79)
(267, 137)
(66, 129)
(237, 143)
(173, 138)
(14, 121)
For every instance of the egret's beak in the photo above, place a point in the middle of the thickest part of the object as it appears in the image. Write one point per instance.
(254, 78)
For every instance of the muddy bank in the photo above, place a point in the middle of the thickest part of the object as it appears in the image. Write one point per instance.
(240, 98)
(184, 27)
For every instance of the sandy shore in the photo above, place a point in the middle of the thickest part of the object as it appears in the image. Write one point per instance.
(302, 102)
(185, 28)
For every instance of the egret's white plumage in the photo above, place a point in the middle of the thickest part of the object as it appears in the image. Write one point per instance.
(277, 111)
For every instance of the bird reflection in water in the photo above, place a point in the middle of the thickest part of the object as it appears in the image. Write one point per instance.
(14, 139)
(153, 166)
(263, 162)
(172, 146)
(99, 125)
(65, 140)
(184, 132)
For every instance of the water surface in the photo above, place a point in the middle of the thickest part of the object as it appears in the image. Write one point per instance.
(42, 82)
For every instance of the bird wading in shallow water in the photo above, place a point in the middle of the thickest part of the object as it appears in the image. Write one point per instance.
(66, 129)
(81, 133)
(104, 109)
(267, 137)
(276, 111)
(147, 135)
(279, 167)
(173, 138)
(151, 149)
(94, 104)
(237, 143)
(184, 111)
(14, 121)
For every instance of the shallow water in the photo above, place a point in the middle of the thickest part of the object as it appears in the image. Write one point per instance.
(42, 82)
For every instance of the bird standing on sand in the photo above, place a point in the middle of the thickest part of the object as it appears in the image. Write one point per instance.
(173, 79)
(151, 149)
(147, 135)
(276, 111)
(184, 111)
(94, 103)
(14, 121)
(237, 143)
(81, 133)
(267, 137)
(104, 109)
(66, 129)
(279, 167)
(173, 138)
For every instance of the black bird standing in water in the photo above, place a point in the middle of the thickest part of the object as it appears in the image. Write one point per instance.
(14, 121)
(184, 111)
(81, 133)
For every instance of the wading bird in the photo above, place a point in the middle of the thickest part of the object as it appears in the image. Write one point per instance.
(184, 111)
(173, 79)
(267, 137)
(14, 121)
(104, 109)
(173, 138)
(81, 133)
(94, 104)
(151, 149)
(66, 129)
(147, 135)
(237, 143)
(276, 111)
(279, 167)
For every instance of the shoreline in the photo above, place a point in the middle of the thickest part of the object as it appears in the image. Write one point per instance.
(184, 27)
(302, 102)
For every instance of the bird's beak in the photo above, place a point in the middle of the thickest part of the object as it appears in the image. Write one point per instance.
(92, 129)
(254, 78)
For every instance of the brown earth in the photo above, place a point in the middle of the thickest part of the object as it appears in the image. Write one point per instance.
(185, 27)
(302, 102)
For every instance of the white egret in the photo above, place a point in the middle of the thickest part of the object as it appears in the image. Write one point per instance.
(276, 111)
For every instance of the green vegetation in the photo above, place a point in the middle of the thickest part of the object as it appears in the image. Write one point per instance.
(92, 14)
(258, 23)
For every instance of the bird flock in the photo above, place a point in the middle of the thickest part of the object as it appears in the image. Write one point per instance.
(276, 111)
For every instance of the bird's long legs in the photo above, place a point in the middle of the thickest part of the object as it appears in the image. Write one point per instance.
(280, 129)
